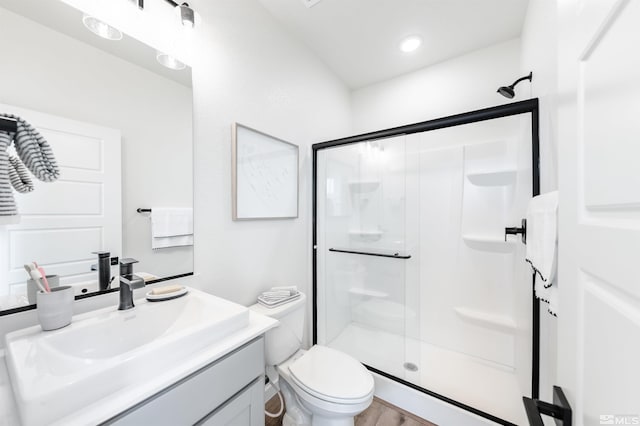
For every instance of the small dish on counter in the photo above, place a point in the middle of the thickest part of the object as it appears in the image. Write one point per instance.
(173, 292)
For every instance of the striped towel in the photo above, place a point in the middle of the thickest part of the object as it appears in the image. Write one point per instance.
(35, 153)
(7, 203)
(19, 176)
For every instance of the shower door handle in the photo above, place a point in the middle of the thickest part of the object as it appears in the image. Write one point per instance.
(560, 409)
(517, 230)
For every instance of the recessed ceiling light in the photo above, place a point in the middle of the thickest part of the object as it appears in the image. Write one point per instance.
(101, 29)
(410, 44)
(170, 62)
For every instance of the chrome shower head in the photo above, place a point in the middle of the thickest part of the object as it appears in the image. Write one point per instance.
(508, 91)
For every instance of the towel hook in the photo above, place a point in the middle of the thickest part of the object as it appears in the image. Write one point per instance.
(517, 230)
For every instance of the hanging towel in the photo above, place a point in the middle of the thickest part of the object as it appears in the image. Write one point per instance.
(34, 152)
(542, 246)
(19, 176)
(7, 202)
(171, 227)
(166, 242)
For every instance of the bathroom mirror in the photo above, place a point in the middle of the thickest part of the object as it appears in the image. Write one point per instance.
(120, 126)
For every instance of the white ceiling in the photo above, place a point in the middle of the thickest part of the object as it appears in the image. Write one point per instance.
(358, 39)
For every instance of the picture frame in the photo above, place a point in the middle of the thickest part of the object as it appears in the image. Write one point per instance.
(264, 175)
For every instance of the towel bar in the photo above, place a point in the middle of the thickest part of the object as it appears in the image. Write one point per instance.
(368, 253)
(8, 125)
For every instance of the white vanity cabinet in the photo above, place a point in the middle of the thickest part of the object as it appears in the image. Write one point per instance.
(229, 391)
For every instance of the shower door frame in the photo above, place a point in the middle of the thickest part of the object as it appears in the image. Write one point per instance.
(529, 106)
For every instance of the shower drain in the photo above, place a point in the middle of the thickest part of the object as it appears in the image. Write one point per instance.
(410, 366)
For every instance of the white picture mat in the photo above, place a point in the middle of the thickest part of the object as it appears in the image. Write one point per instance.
(265, 176)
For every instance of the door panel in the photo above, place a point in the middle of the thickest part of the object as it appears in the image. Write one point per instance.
(599, 241)
(63, 222)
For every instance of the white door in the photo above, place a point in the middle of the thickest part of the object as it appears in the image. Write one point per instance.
(63, 222)
(599, 170)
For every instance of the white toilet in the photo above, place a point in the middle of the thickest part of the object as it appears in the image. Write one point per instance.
(321, 386)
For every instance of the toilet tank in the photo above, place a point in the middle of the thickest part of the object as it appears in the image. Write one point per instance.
(286, 339)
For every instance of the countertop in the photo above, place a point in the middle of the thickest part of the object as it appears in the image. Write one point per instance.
(106, 408)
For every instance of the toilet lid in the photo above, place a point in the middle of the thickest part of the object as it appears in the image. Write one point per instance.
(332, 375)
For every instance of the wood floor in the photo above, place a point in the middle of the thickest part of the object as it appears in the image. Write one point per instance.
(380, 413)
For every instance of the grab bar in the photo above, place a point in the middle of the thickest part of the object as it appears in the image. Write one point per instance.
(372, 253)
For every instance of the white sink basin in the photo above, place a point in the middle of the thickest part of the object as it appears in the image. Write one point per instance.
(56, 373)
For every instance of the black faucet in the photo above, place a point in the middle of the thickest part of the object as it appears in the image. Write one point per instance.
(128, 283)
(104, 269)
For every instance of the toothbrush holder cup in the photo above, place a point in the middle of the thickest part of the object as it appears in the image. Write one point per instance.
(32, 287)
(55, 309)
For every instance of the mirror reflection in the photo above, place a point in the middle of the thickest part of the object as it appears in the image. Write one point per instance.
(119, 125)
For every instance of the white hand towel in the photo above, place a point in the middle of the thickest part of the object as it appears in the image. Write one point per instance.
(171, 227)
(171, 222)
(542, 245)
(166, 242)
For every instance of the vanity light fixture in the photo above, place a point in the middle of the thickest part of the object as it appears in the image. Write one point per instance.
(410, 44)
(186, 15)
(170, 62)
(101, 28)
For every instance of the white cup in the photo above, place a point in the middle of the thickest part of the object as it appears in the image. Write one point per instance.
(55, 309)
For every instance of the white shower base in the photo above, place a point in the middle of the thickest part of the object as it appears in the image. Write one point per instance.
(487, 386)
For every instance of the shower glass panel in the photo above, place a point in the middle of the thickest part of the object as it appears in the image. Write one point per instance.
(414, 277)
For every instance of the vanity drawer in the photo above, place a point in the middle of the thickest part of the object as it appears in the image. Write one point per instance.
(245, 408)
(196, 396)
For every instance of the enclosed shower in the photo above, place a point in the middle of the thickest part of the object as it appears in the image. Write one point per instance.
(419, 256)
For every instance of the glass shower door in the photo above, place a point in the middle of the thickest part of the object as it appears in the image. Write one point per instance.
(414, 274)
(362, 295)
(465, 184)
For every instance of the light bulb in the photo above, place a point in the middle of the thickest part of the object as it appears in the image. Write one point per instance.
(101, 29)
(170, 62)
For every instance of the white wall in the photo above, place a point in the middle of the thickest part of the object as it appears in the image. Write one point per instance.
(53, 73)
(461, 84)
(539, 54)
(253, 72)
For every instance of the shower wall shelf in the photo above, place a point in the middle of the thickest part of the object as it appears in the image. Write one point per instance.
(493, 178)
(390, 254)
(488, 243)
(486, 319)
(368, 293)
(364, 185)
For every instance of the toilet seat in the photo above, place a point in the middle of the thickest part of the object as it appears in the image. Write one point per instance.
(332, 376)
